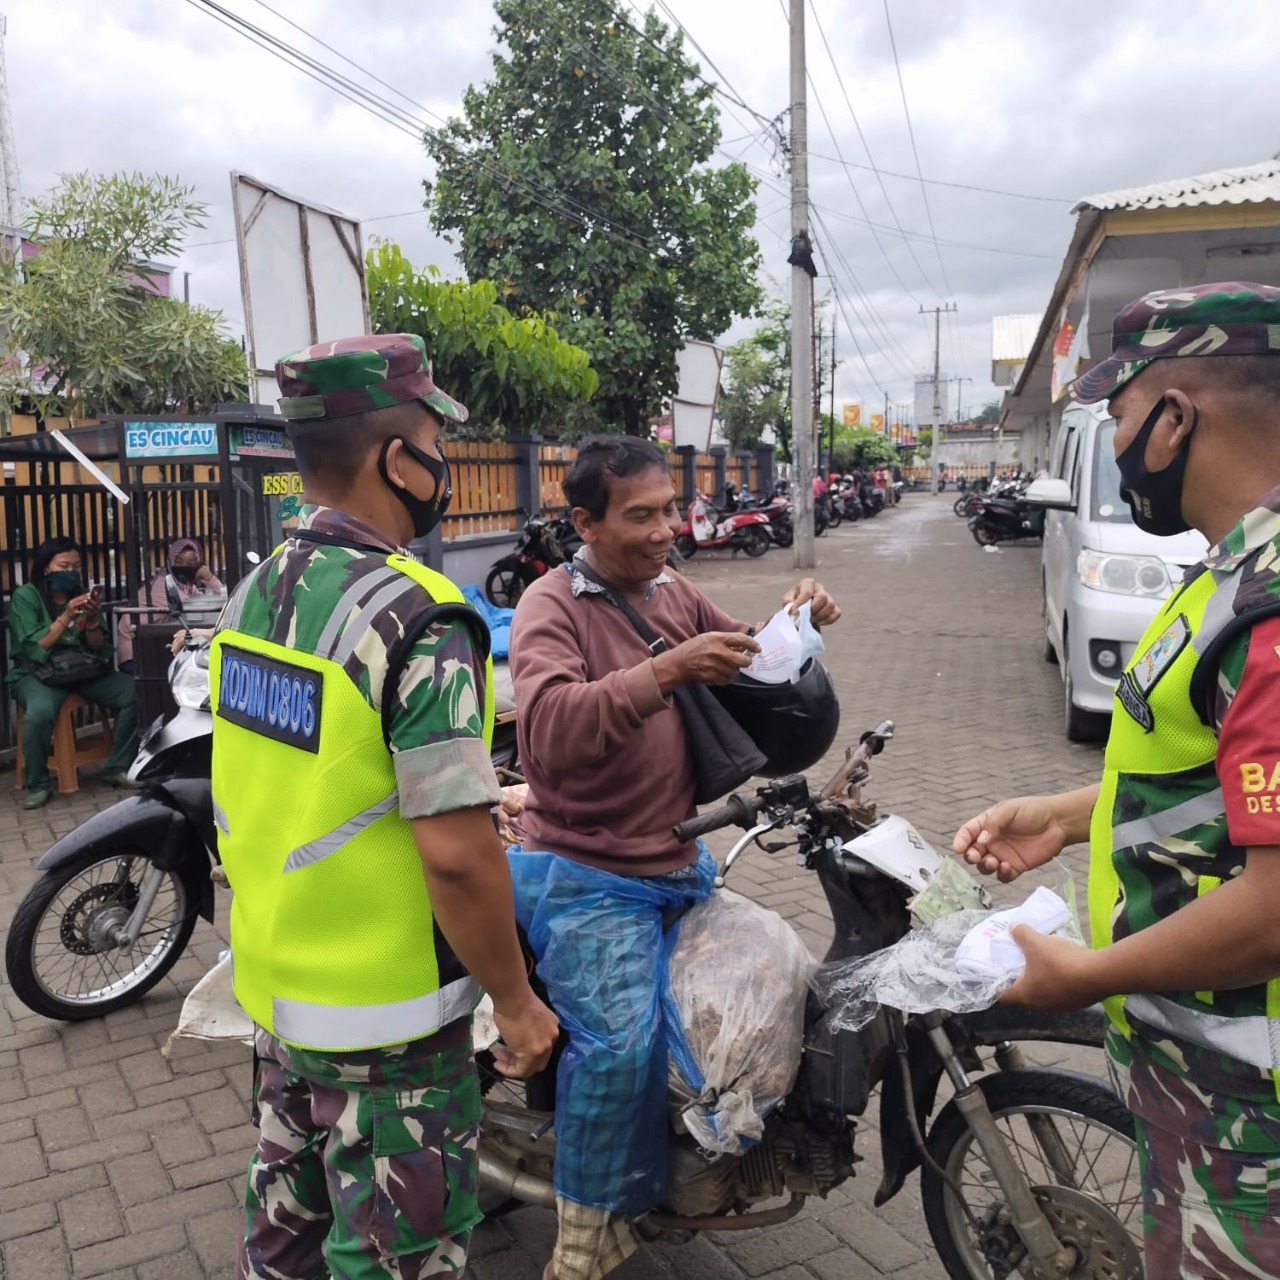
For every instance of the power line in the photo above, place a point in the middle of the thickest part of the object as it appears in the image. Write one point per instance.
(939, 182)
(893, 213)
(398, 118)
(911, 134)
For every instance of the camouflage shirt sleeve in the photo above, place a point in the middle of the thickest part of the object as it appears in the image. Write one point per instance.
(437, 726)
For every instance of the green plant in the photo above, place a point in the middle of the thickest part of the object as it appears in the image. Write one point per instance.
(512, 372)
(86, 333)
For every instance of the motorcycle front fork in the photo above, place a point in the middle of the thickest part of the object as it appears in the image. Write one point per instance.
(1028, 1219)
(125, 935)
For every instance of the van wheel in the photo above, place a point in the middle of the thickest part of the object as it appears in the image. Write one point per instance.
(1080, 725)
(1048, 653)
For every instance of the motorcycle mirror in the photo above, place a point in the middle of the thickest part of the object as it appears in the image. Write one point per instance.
(253, 557)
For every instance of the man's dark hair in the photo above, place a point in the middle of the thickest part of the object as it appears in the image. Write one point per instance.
(1256, 377)
(600, 458)
(331, 451)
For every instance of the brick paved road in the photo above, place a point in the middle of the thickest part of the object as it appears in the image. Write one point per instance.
(119, 1164)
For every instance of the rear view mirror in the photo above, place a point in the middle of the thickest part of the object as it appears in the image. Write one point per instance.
(1050, 493)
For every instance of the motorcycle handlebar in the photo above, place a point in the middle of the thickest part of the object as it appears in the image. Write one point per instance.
(740, 811)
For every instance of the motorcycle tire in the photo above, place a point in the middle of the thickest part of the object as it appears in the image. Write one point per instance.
(1081, 1110)
(784, 535)
(834, 516)
(755, 542)
(506, 583)
(685, 545)
(960, 505)
(984, 535)
(49, 926)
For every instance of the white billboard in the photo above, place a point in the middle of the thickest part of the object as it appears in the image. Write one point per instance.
(301, 276)
(694, 404)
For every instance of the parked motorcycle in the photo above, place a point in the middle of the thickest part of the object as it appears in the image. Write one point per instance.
(118, 896)
(705, 528)
(1006, 519)
(1023, 1169)
(544, 543)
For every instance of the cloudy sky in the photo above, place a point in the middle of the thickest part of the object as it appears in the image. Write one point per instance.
(1029, 99)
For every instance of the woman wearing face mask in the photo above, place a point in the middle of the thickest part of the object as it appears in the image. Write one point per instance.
(187, 575)
(60, 646)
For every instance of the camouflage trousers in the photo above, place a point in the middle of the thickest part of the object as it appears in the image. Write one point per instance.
(1209, 1212)
(366, 1163)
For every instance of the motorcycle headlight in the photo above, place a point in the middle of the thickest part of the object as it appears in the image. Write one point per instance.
(1123, 575)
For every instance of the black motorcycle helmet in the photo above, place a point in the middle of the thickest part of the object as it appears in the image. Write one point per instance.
(792, 724)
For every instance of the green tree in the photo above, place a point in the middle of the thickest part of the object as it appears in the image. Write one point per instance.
(513, 372)
(753, 397)
(86, 332)
(990, 413)
(579, 179)
(862, 447)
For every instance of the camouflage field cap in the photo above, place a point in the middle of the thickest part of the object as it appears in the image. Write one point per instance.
(1235, 318)
(354, 375)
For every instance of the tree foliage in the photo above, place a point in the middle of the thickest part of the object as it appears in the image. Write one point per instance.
(862, 447)
(86, 333)
(512, 371)
(990, 413)
(753, 397)
(578, 178)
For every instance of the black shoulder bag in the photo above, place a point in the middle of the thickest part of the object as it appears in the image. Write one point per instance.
(724, 756)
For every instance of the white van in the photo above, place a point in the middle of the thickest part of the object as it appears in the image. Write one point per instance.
(1103, 578)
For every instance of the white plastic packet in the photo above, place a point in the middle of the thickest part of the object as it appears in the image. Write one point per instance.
(787, 641)
(989, 951)
(211, 1010)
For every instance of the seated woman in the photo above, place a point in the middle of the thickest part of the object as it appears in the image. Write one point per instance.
(60, 647)
(186, 575)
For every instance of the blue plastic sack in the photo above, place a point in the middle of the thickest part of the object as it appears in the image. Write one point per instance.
(602, 953)
(496, 618)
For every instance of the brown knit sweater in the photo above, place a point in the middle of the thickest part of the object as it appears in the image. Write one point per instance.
(604, 752)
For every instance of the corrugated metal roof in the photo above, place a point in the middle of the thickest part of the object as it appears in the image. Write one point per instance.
(1013, 336)
(1249, 184)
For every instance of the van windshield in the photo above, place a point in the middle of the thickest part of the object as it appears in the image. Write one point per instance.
(1107, 503)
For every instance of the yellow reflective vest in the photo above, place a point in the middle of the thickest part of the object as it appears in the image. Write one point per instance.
(333, 939)
(1158, 836)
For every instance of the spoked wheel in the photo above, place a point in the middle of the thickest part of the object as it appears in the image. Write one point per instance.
(61, 958)
(755, 542)
(506, 583)
(1074, 1140)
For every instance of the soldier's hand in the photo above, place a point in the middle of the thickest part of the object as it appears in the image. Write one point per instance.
(1011, 837)
(716, 657)
(528, 1036)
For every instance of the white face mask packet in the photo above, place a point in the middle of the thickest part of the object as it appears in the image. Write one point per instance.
(787, 641)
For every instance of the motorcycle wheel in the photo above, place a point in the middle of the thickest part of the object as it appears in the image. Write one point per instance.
(984, 535)
(506, 583)
(784, 535)
(58, 960)
(834, 516)
(685, 544)
(755, 542)
(959, 505)
(1065, 1131)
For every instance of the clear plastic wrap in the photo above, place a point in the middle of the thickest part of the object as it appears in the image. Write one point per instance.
(918, 973)
(738, 981)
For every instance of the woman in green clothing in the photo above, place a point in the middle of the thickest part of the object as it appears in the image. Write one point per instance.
(60, 646)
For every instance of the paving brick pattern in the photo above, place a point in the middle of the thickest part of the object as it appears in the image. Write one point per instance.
(118, 1163)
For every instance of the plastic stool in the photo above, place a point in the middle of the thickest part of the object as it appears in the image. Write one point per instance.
(68, 752)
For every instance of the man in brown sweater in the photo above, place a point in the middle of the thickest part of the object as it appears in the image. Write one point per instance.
(610, 773)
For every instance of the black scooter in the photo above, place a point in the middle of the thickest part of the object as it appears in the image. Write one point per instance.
(118, 898)
(1006, 520)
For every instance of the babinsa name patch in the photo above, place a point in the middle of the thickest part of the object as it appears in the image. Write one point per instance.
(1134, 703)
(276, 699)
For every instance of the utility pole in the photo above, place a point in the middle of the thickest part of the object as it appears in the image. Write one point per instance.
(936, 415)
(831, 431)
(802, 273)
(959, 392)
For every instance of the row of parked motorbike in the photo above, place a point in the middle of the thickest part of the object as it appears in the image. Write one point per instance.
(738, 522)
(1000, 512)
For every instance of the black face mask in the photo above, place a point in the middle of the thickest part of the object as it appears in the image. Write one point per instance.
(184, 572)
(426, 513)
(1155, 497)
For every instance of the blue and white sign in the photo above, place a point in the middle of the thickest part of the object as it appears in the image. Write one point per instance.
(170, 439)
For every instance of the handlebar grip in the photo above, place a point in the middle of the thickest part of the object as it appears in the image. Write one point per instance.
(740, 810)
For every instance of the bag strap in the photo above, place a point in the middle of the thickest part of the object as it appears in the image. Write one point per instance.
(655, 642)
(400, 651)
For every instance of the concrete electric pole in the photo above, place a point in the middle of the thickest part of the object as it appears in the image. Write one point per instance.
(802, 273)
(10, 182)
(936, 415)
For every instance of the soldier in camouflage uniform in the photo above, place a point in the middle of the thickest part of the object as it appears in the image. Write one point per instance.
(368, 1110)
(1184, 829)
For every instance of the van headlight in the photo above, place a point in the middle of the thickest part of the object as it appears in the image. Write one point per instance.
(1124, 575)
